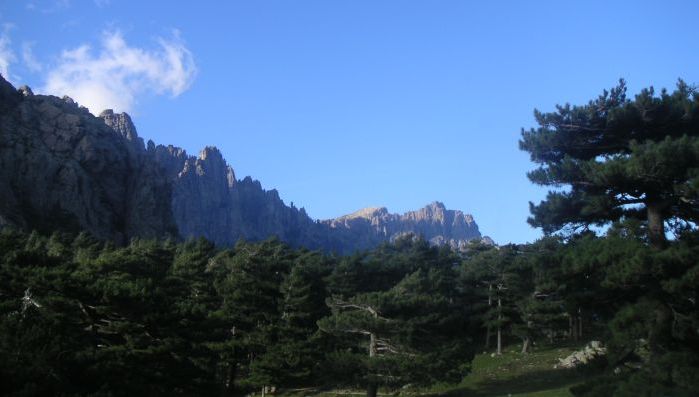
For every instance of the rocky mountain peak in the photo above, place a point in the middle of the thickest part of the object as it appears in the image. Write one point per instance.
(121, 123)
(26, 91)
(211, 153)
(69, 100)
(210, 161)
(365, 213)
(433, 212)
(441, 226)
(436, 206)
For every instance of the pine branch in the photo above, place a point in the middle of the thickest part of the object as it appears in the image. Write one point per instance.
(341, 304)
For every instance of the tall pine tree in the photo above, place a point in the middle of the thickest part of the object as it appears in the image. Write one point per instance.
(619, 158)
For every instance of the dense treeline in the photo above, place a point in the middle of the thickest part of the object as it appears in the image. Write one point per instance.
(83, 317)
(153, 318)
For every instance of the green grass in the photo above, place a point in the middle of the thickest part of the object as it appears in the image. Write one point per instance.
(511, 374)
(517, 374)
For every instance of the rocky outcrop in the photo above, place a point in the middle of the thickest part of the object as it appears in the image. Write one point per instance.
(369, 227)
(590, 352)
(122, 124)
(63, 168)
(208, 201)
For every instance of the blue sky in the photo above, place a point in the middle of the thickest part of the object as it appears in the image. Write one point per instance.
(347, 104)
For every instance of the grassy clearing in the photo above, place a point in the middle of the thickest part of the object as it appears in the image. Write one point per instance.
(517, 374)
(511, 374)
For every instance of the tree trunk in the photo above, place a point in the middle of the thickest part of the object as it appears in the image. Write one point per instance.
(661, 332)
(371, 389)
(499, 351)
(525, 345)
(229, 381)
(488, 331)
(573, 327)
(656, 224)
(580, 324)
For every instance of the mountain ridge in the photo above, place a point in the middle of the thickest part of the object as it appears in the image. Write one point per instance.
(434, 221)
(100, 176)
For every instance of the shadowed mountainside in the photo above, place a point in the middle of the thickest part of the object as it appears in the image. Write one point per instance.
(62, 168)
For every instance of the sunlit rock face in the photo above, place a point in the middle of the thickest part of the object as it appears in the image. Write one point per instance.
(370, 226)
(61, 168)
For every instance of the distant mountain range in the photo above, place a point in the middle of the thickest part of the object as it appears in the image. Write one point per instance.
(61, 168)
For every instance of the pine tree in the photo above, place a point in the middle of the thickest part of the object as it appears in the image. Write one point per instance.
(620, 158)
(194, 302)
(293, 360)
(415, 331)
(249, 280)
(492, 272)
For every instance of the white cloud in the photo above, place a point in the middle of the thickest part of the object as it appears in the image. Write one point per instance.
(29, 59)
(47, 6)
(7, 56)
(115, 77)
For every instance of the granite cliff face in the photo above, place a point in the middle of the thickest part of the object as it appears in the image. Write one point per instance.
(63, 168)
(209, 201)
(370, 226)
